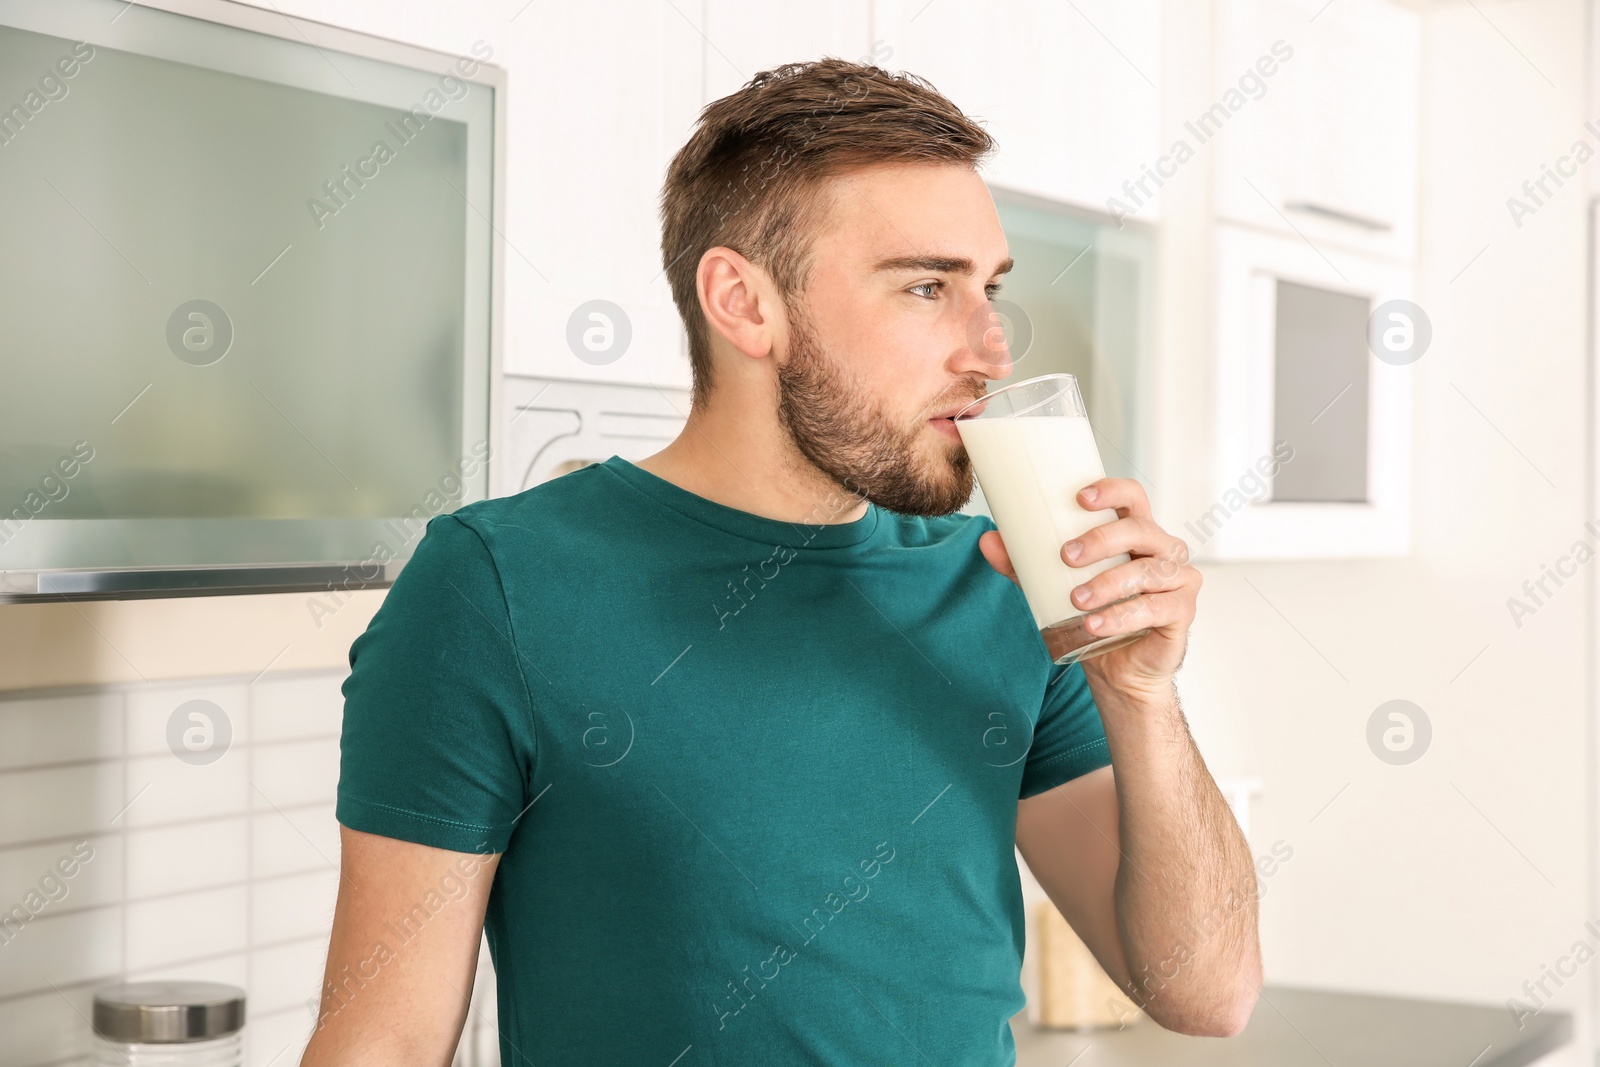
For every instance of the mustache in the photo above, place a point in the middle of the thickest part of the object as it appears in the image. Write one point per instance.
(955, 401)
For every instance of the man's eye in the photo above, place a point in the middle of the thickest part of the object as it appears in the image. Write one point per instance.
(992, 290)
(926, 285)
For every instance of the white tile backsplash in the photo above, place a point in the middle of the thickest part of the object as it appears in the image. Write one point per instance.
(286, 709)
(59, 802)
(152, 711)
(199, 877)
(296, 906)
(294, 773)
(186, 927)
(163, 789)
(175, 859)
(82, 726)
(284, 976)
(294, 840)
(45, 1027)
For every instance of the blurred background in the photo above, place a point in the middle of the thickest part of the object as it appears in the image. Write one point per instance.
(1361, 228)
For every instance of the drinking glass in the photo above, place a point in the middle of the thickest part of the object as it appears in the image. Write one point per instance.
(1033, 450)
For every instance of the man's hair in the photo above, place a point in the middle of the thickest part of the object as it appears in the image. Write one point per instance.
(753, 174)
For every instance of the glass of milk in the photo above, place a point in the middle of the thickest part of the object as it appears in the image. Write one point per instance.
(1032, 450)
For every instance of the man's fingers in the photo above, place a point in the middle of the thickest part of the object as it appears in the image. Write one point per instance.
(994, 550)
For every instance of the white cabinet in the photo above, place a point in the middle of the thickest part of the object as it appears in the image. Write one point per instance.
(744, 37)
(1325, 146)
(1246, 517)
(601, 96)
(1040, 76)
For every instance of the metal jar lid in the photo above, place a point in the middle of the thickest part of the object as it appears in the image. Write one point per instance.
(168, 1011)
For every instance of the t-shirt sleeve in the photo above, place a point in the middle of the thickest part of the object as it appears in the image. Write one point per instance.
(1069, 739)
(438, 743)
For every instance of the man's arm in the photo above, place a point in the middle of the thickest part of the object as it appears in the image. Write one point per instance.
(402, 955)
(1154, 863)
(1151, 870)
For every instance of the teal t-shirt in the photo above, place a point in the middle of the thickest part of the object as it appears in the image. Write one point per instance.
(755, 781)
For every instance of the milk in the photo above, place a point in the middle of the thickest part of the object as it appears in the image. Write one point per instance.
(1031, 468)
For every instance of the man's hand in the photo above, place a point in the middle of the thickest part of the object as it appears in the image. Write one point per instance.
(1159, 579)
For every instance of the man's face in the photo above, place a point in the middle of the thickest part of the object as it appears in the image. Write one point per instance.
(895, 328)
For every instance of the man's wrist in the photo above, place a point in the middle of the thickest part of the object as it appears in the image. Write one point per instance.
(1142, 715)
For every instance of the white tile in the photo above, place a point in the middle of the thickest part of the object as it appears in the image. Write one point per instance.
(47, 1027)
(286, 708)
(229, 970)
(95, 863)
(60, 729)
(298, 906)
(59, 802)
(294, 840)
(279, 1039)
(286, 976)
(175, 859)
(179, 792)
(153, 708)
(297, 772)
(63, 948)
(186, 927)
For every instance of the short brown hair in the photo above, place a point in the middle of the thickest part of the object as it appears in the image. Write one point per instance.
(751, 176)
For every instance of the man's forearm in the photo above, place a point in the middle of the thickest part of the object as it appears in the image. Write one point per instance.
(1186, 889)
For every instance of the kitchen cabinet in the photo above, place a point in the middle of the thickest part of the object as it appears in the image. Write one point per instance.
(743, 37)
(1039, 76)
(1326, 145)
(1258, 408)
(589, 151)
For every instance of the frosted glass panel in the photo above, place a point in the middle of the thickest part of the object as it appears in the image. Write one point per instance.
(1078, 301)
(1320, 394)
(246, 297)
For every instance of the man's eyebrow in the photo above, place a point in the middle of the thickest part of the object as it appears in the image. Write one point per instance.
(937, 264)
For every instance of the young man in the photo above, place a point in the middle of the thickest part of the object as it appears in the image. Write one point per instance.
(729, 749)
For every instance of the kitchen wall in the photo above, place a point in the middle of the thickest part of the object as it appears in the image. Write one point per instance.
(1463, 874)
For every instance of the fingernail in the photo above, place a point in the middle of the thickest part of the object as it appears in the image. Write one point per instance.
(1092, 622)
(1090, 494)
(1080, 595)
(1073, 548)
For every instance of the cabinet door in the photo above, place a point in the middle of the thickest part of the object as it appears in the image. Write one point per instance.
(1297, 340)
(1070, 91)
(1315, 120)
(744, 37)
(601, 96)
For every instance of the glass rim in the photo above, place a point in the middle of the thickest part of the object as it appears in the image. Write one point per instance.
(986, 397)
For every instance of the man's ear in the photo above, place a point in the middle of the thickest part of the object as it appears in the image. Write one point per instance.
(739, 301)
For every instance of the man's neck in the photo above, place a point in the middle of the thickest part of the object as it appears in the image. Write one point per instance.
(751, 465)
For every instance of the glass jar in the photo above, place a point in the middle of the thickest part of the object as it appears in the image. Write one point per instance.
(169, 1024)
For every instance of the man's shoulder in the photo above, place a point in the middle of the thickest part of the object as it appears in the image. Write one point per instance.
(549, 506)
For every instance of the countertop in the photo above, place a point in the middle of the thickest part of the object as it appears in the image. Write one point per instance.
(1315, 1028)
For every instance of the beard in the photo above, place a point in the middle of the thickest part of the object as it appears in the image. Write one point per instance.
(909, 469)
